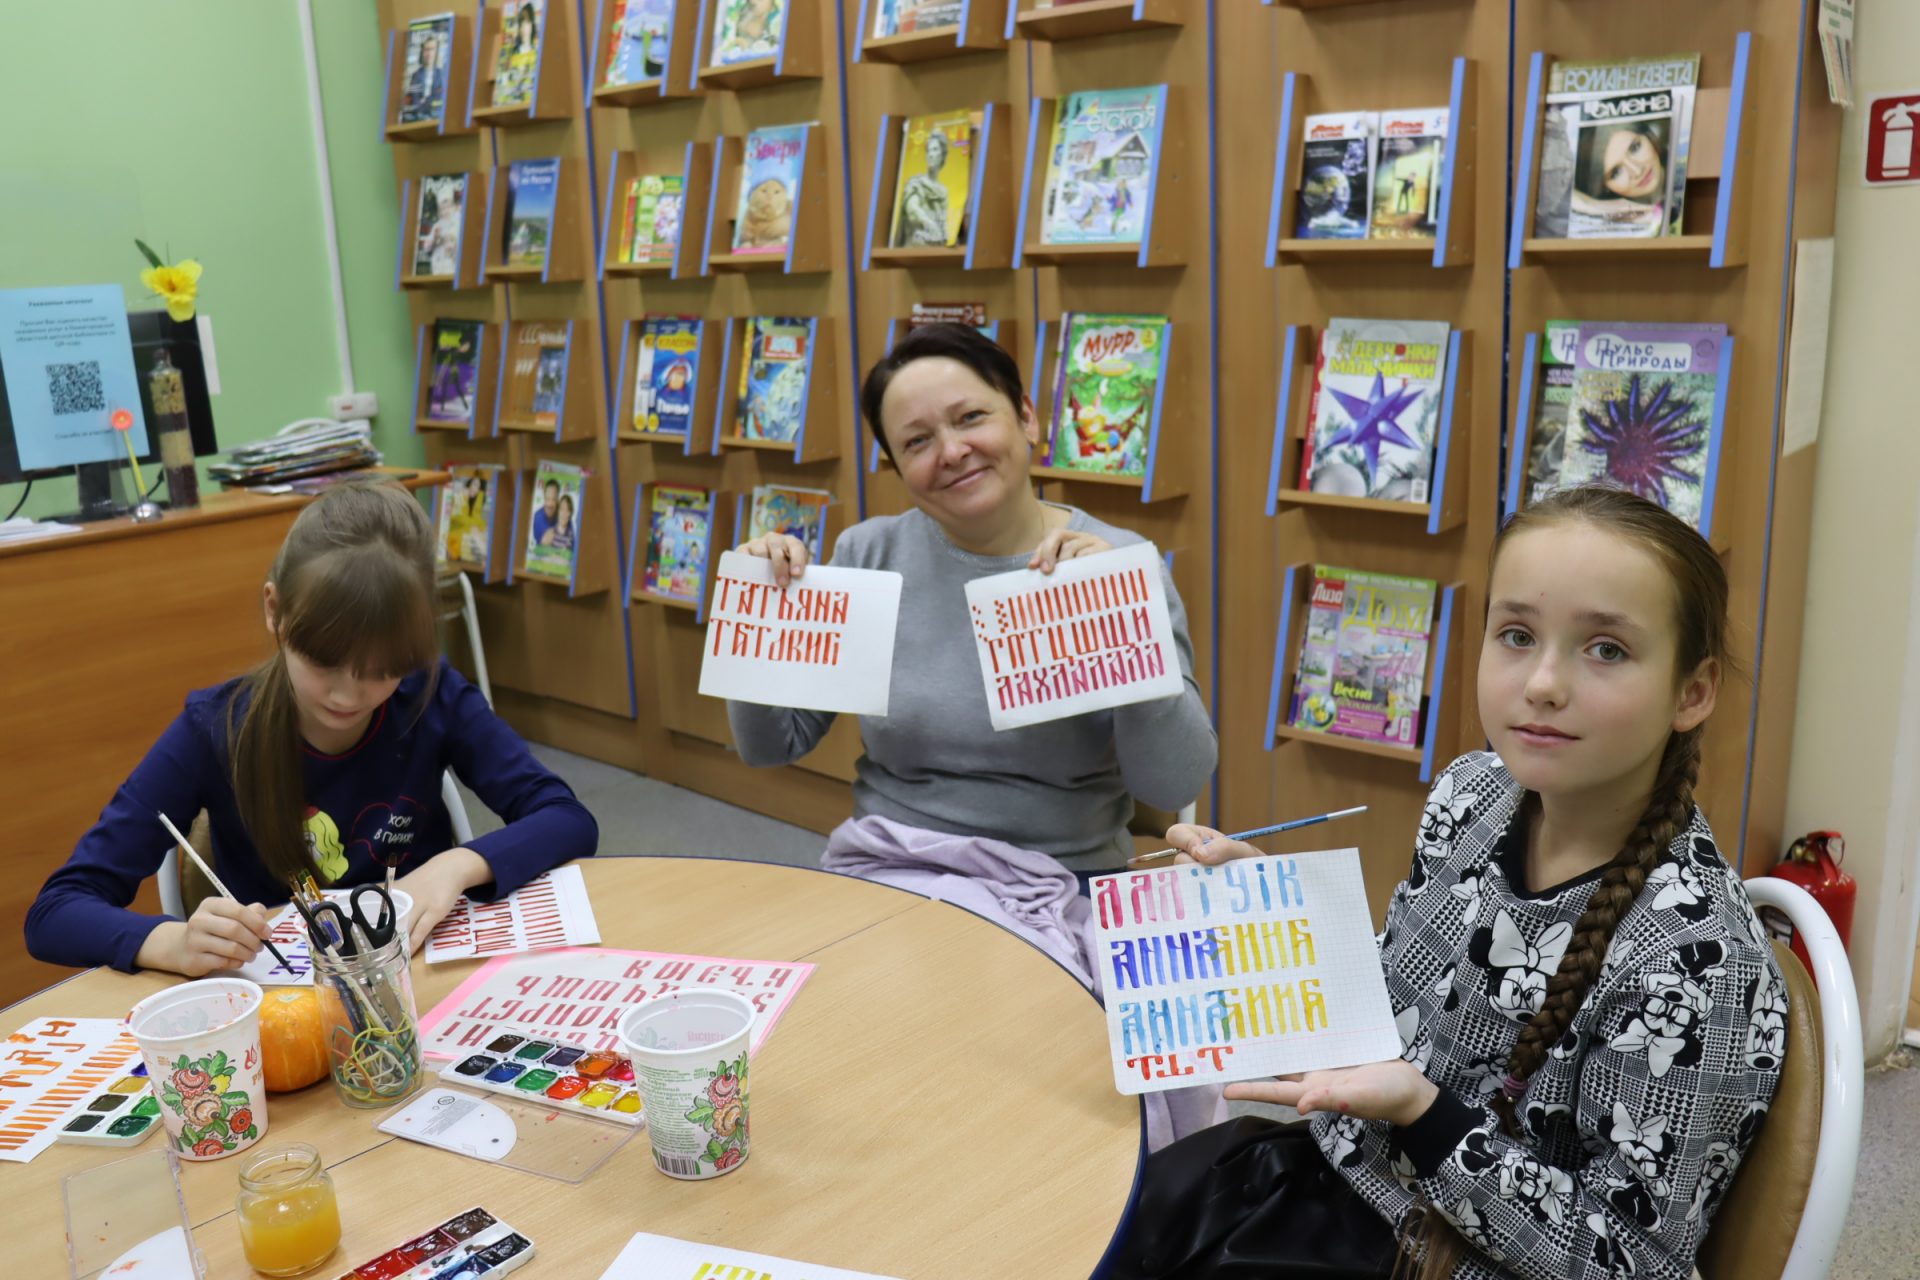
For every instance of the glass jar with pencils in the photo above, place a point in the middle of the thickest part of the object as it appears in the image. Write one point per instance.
(289, 1218)
(373, 1037)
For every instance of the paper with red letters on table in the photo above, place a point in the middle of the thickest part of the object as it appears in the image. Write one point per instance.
(1095, 633)
(822, 643)
(578, 995)
(50, 1067)
(551, 910)
(650, 1257)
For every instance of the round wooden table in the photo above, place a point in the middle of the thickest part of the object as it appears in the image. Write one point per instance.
(938, 1101)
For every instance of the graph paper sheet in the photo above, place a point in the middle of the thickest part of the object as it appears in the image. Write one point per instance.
(1254, 968)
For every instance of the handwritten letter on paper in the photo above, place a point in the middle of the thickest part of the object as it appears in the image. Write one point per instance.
(824, 643)
(1253, 968)
(1094, 633)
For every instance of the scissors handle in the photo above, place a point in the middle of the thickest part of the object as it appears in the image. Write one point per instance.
(379, 927)
(324, 922)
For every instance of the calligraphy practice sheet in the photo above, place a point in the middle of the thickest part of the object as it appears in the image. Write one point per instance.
(1253, 968)
(551, 910)
(823, 643)
(1095, 633)
(649, 1257)
(49, 1067)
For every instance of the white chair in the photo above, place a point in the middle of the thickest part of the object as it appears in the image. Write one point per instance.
(1783, 1215)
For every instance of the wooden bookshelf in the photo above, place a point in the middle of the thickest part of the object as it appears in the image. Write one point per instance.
(451, 120)
(480, 422)
(818, 440)
(797, 53)
(568, 238)
(1164, 477)
(698, 440)
(1086, 18)
(982, 29)
(1164, 242)
(694, 164)
(675, 79)
(722, 517)
(571, 416)
(555, 94)
(807, 248)
(989, 216)
(470, 245)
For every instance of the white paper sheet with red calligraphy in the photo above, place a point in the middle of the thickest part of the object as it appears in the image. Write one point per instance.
(549, 911)
(578, 995)
(1095, 633)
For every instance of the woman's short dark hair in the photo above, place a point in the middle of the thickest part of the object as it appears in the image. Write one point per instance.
(987, 359)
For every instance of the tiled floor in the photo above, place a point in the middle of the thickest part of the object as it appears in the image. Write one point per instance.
(639, 815)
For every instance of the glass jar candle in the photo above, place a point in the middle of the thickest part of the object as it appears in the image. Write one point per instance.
(289, 1220)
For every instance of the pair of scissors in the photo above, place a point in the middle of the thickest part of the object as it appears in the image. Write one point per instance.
(353, 926)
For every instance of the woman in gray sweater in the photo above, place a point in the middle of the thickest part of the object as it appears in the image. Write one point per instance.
(948, 407)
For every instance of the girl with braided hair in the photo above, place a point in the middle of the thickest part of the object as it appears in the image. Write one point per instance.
(1589, 1009)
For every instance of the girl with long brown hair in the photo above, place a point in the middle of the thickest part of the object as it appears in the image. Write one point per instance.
(326, 758)
(1591, 1016)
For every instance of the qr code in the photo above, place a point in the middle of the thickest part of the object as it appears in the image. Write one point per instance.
(75, 388)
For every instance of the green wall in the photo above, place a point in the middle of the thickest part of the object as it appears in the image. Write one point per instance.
(188, 125)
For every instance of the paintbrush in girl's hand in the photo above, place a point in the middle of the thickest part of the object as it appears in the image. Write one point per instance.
(214, 880)
(1147, 859)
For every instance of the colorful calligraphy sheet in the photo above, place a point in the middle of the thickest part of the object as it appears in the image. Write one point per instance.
(824, 643)
(578, 995)
(549, 911)
(648, 1257)
(49, 1067)
(1253, 968)
(1095, 633)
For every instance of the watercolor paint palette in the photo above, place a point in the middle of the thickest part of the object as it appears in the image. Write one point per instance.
(563, 1076)
(467, 1246)
(124, 1114)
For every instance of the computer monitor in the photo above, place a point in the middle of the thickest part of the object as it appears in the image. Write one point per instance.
(151, 332)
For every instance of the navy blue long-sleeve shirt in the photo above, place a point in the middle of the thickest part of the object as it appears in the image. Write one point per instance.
(381, 795)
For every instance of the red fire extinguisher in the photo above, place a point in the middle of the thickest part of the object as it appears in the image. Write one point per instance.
(1813, 863)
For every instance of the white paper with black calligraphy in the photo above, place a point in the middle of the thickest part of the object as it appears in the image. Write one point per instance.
(550, 910)
(1253, 968)
(824, 643)
(1095, 633)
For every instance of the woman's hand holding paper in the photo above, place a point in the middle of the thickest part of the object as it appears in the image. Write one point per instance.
(788, 553)
(1066, 544)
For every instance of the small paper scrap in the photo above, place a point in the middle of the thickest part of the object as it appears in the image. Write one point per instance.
(1253, 968)
(50, 1067)
(649, 1257)
(1093, 634)
(823, 643)
(550, 911)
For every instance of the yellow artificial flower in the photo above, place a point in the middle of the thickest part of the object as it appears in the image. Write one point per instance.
(177, 284)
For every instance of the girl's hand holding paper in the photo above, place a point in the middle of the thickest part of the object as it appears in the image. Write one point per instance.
(1393, 1091)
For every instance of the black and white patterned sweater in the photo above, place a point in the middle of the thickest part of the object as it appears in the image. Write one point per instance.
(1633, 1127)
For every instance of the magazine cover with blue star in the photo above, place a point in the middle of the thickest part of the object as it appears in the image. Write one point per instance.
(1642, 411)
(1376, 409)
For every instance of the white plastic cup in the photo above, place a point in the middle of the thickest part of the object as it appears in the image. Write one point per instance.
(689, 1053)
(201, 1044)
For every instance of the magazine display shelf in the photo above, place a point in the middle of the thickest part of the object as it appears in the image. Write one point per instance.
(1713, 161)
(492, 570)
(1084, 18)
(481, 423)
(676, 77)
(452, 122)
(989, 207)
(1441, 691)
(594, 571)
(553, 93)
(1451, 247)
(981, 29)
(698, 439)
(808, 249)
(834, 525)
(722, 513)
(567, 236)
(513, 398)
(820, 420)
(1164, 477)
(1293, 421)
(696, 174)
(1164, 240)
(1004, 332)
(797, 57)
(469, 250)
(1525, 400)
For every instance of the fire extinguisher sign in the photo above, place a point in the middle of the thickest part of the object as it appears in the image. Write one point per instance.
(1893, 124)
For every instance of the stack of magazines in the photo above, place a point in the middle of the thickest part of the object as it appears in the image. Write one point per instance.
(304, 449)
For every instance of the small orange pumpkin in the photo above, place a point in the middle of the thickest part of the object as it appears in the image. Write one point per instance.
(293, 1038)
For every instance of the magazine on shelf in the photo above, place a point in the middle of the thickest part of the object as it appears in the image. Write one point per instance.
(908, 17)
(523, 24)
(936, 168)
(1363, 660)
(798, 513)
(436, 246)
(1547, 436)
(1334, 198)
(748, 30)
(642, 31)
(553, 533)
(467, 504)
(1407, 168)
(773, 377)
(679, 533)
(455, 371)
(528, 226)
(1376, 409)
(1100, 166)
(1614, 144)
(769, 195)
(423, 83)
(1108, 375)
(666, 375)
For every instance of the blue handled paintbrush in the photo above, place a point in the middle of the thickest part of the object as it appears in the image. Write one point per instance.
(1147, 858)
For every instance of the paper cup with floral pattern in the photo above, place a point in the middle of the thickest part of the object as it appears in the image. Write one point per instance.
(201, 1043)
(689, 1053)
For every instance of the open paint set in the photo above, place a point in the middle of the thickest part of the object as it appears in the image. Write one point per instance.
(564, 1076)
(124, 1114)
(467, 1246)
